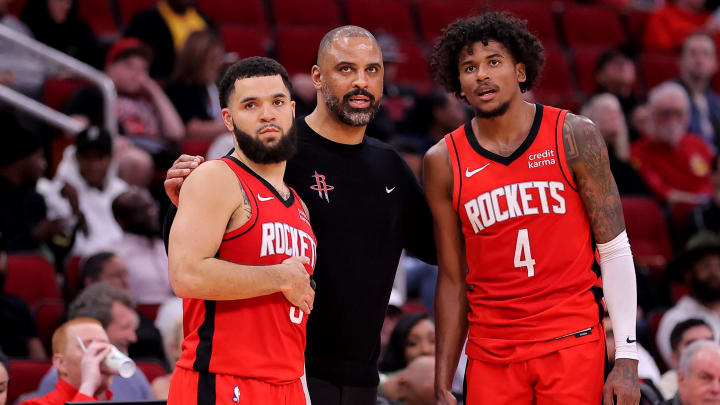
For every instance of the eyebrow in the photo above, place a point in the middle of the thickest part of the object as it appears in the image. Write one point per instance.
(494, 55)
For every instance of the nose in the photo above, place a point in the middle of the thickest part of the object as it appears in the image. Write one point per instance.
(428, 349)
(361, 80)
(132, 336)
(266, 113)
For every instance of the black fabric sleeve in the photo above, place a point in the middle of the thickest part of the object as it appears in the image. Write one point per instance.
(167, 224)
(88, 102)
(420, 241)
(188, 101)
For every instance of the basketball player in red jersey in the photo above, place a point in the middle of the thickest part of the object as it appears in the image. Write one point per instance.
(241, 254)
(517, 195)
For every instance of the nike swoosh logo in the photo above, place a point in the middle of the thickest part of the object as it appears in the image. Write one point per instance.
(389, 190)
(469, 173)
(264, 198)
(630, 341)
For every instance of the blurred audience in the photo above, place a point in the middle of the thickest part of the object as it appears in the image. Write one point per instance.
(413, 336)
(20, 335)
(24, 222)
(79, 347)
(605, 111)
(135, 166)
(698, 375)
(698, 64)
(674, 163)
(193, 89)
(114, 311)
(172, 342)
(706, 217)
(698, 267)
(683, 334)
(56, 24)
(141, 246)
(433, 116)
(4, 377)
(667, 27)
(20, 69)
(414, 385)
(88, 167)
(615, 73)
(165, 27)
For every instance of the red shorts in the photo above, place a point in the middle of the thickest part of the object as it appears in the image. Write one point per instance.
(570, 376)
(193, 388)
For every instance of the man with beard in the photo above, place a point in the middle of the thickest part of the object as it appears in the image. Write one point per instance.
(517, 195)
(241, 254)
(367, 206)
(698, 267)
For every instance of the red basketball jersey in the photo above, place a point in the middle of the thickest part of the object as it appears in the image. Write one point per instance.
(261, 337)
(528, 244)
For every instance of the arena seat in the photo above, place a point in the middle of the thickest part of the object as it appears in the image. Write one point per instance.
(100, 17)
(636, 21)
(248, 13)
(47, 315)
(592, 25)
(556, 76)
(657, 68)
(32, 278)
(585, 60)
(149, 311)
(539, 16)
(414, 70)
(72, 276)
(392, 16)
(648, 232)
(309, 13)
(128, 8)
(26, 375)
(298, 59)
(437, 14)
(57, 91)
(245, 41)
(195, 147)
(151, 369)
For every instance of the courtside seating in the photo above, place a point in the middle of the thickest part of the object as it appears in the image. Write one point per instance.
(32, 278)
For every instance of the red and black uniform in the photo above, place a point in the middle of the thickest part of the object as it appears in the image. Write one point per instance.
(249, 350)
(529, 253)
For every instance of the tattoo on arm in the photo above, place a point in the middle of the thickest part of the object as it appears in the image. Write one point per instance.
(587, 158)
(246, 202)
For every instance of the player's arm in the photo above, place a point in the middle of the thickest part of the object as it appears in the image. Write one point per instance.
(587, 158)
(451, 306)
(195, 237)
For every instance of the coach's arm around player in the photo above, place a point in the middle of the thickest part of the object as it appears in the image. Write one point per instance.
(212, 202)
(587, 158)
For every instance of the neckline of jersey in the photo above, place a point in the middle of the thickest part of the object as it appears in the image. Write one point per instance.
(304, 127)
(290, 200)
(506, 160)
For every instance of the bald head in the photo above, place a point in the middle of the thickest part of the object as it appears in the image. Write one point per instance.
(346, 31)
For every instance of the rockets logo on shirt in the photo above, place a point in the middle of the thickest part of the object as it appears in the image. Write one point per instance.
(515, 200)
(280, 238)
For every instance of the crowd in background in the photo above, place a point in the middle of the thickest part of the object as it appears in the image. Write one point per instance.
(91, 206)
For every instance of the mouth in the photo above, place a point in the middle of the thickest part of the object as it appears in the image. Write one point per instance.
(269, 130)
(486, 93)
(359, 102)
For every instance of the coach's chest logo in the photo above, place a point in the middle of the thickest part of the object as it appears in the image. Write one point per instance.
(321, 186)
(545, 158)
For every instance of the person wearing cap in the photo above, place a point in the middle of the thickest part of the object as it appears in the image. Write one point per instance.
(698, 267)
(23, 212)
(79, 348)
(87, 167)
(144, 112)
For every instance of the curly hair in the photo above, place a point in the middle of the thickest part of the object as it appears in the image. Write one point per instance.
(255, 66)
(502, 27)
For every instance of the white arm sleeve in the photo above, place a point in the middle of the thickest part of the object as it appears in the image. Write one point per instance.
(620, 290)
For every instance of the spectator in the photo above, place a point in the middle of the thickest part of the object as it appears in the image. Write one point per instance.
(141, 247)
(615, 73)
(109, 268)
(647, 369)
(398, 99)
(4, 377)
(698, 266)
(88, 168)
(698, 64)
(172, 342)
(23, 213)
(114, 311)
(135, 166)
(165, 27)
(20, 334)
(698, 375)
(667, 27)
(20, 69)
(82, 378)
(674, 164)
(56, 24)
(605, 111)
(193, 90)
(144, 112)
(414, 385)
(433, 116)
(706, 217)
(682, 335)
(413, 336)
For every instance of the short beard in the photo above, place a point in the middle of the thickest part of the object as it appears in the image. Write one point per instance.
(500, 110)
(703, 291)
(355, 117)
(258, 152)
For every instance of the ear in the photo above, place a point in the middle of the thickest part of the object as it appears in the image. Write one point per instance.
(292, 105)
(58, 362)
(680, 377)
(227, 119)
(316, 77)
(520, 71)
(403, 386)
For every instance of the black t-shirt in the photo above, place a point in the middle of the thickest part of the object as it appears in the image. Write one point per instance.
(365, 206)
(21, 210)
(18, 325)
(189, 100)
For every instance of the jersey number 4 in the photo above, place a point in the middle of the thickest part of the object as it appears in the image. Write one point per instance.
(522, 249)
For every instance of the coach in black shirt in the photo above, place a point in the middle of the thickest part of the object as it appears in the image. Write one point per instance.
(365, 205)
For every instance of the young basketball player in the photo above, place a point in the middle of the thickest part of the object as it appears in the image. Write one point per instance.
(517, 195)
(241, 253)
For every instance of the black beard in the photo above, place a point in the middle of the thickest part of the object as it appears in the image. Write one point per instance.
(704, 292)
(356, 117)
(258, 152)
(502, 109)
